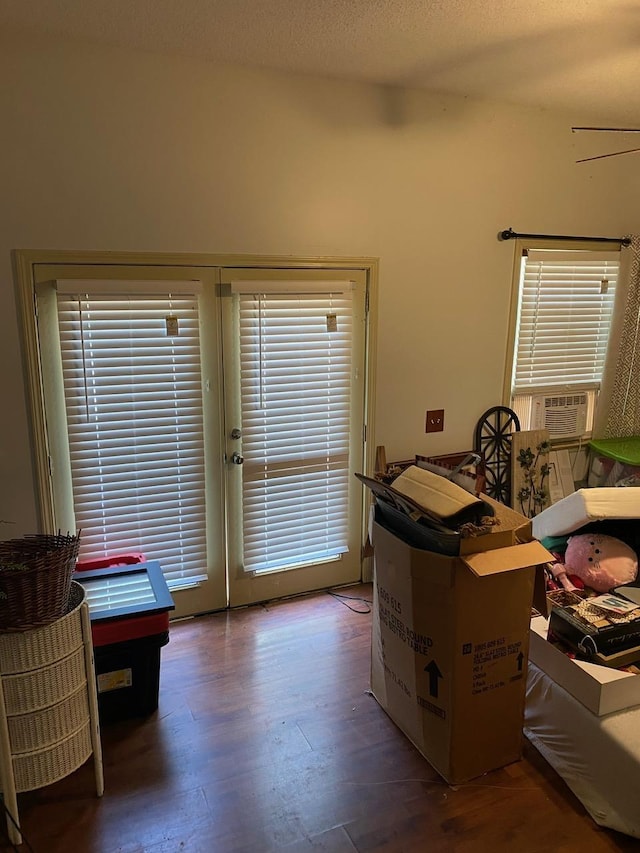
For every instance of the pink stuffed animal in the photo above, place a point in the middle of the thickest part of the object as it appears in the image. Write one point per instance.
(602, 562)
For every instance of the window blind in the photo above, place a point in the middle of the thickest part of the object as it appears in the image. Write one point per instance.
(295, 374)
(565, 311)
(132, 386)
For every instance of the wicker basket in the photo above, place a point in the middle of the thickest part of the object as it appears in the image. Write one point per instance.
(43, 767)
(38, 594)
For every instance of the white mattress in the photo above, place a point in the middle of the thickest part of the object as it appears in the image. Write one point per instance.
(598, 757)
(586, 505)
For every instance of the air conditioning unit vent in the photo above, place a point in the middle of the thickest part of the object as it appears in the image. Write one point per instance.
(564, 415)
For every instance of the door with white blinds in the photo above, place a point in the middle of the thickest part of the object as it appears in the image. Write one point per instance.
(208, 418)
(123, 382)
(294, 403)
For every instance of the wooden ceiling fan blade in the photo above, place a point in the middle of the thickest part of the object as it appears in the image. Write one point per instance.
(603, 156)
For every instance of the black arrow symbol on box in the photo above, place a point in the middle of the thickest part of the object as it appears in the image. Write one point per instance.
(520, 661)
(434, 675)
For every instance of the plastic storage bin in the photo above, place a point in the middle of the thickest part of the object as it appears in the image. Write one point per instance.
(128, 677)
(614, 462)
(129, 608)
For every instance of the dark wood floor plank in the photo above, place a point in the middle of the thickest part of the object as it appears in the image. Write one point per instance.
(267, 738)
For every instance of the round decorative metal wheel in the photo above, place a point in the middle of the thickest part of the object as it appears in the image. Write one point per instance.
(492, 441)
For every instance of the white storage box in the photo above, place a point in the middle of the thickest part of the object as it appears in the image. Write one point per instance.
(599, 688)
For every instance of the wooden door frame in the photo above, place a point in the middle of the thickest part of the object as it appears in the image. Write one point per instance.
(25, 263)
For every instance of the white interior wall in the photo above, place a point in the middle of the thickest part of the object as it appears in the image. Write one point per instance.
(110, 150)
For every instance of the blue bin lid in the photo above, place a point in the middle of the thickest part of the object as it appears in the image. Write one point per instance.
(135, 590)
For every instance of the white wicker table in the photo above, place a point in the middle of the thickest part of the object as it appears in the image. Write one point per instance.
(48, 706)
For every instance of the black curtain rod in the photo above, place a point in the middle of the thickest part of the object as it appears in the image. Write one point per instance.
(510, 234)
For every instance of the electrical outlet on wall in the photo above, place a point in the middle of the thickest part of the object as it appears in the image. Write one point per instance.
(435, 420)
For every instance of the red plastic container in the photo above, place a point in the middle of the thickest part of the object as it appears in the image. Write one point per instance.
(108, 562)
(127, 633)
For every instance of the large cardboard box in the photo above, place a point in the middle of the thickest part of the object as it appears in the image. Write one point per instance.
(450, 644)
(600, 689)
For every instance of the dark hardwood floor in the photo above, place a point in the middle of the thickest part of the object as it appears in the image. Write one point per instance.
(266, 738)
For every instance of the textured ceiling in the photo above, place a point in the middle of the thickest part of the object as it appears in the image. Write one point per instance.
(581, 54)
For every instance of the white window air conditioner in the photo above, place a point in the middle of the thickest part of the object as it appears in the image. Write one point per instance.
(564, 415)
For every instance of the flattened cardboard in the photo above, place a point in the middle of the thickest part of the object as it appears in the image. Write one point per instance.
(507, 559)
(439, 497)
(450, 649)
(512, 520)
(601, 689)
(497, 537)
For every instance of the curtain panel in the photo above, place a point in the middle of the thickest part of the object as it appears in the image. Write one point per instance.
(620, 413)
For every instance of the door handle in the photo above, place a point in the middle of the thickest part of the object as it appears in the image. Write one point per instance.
(237, 458)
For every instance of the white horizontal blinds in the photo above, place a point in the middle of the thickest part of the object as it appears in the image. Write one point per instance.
(565, 311)
(131, 372)
(295, 366)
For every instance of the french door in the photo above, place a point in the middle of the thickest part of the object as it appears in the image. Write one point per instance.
(210, 417)
(294, 407)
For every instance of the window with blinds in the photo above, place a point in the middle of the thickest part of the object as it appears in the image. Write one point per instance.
(295, 389)
(133, 399)
(565, 309)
